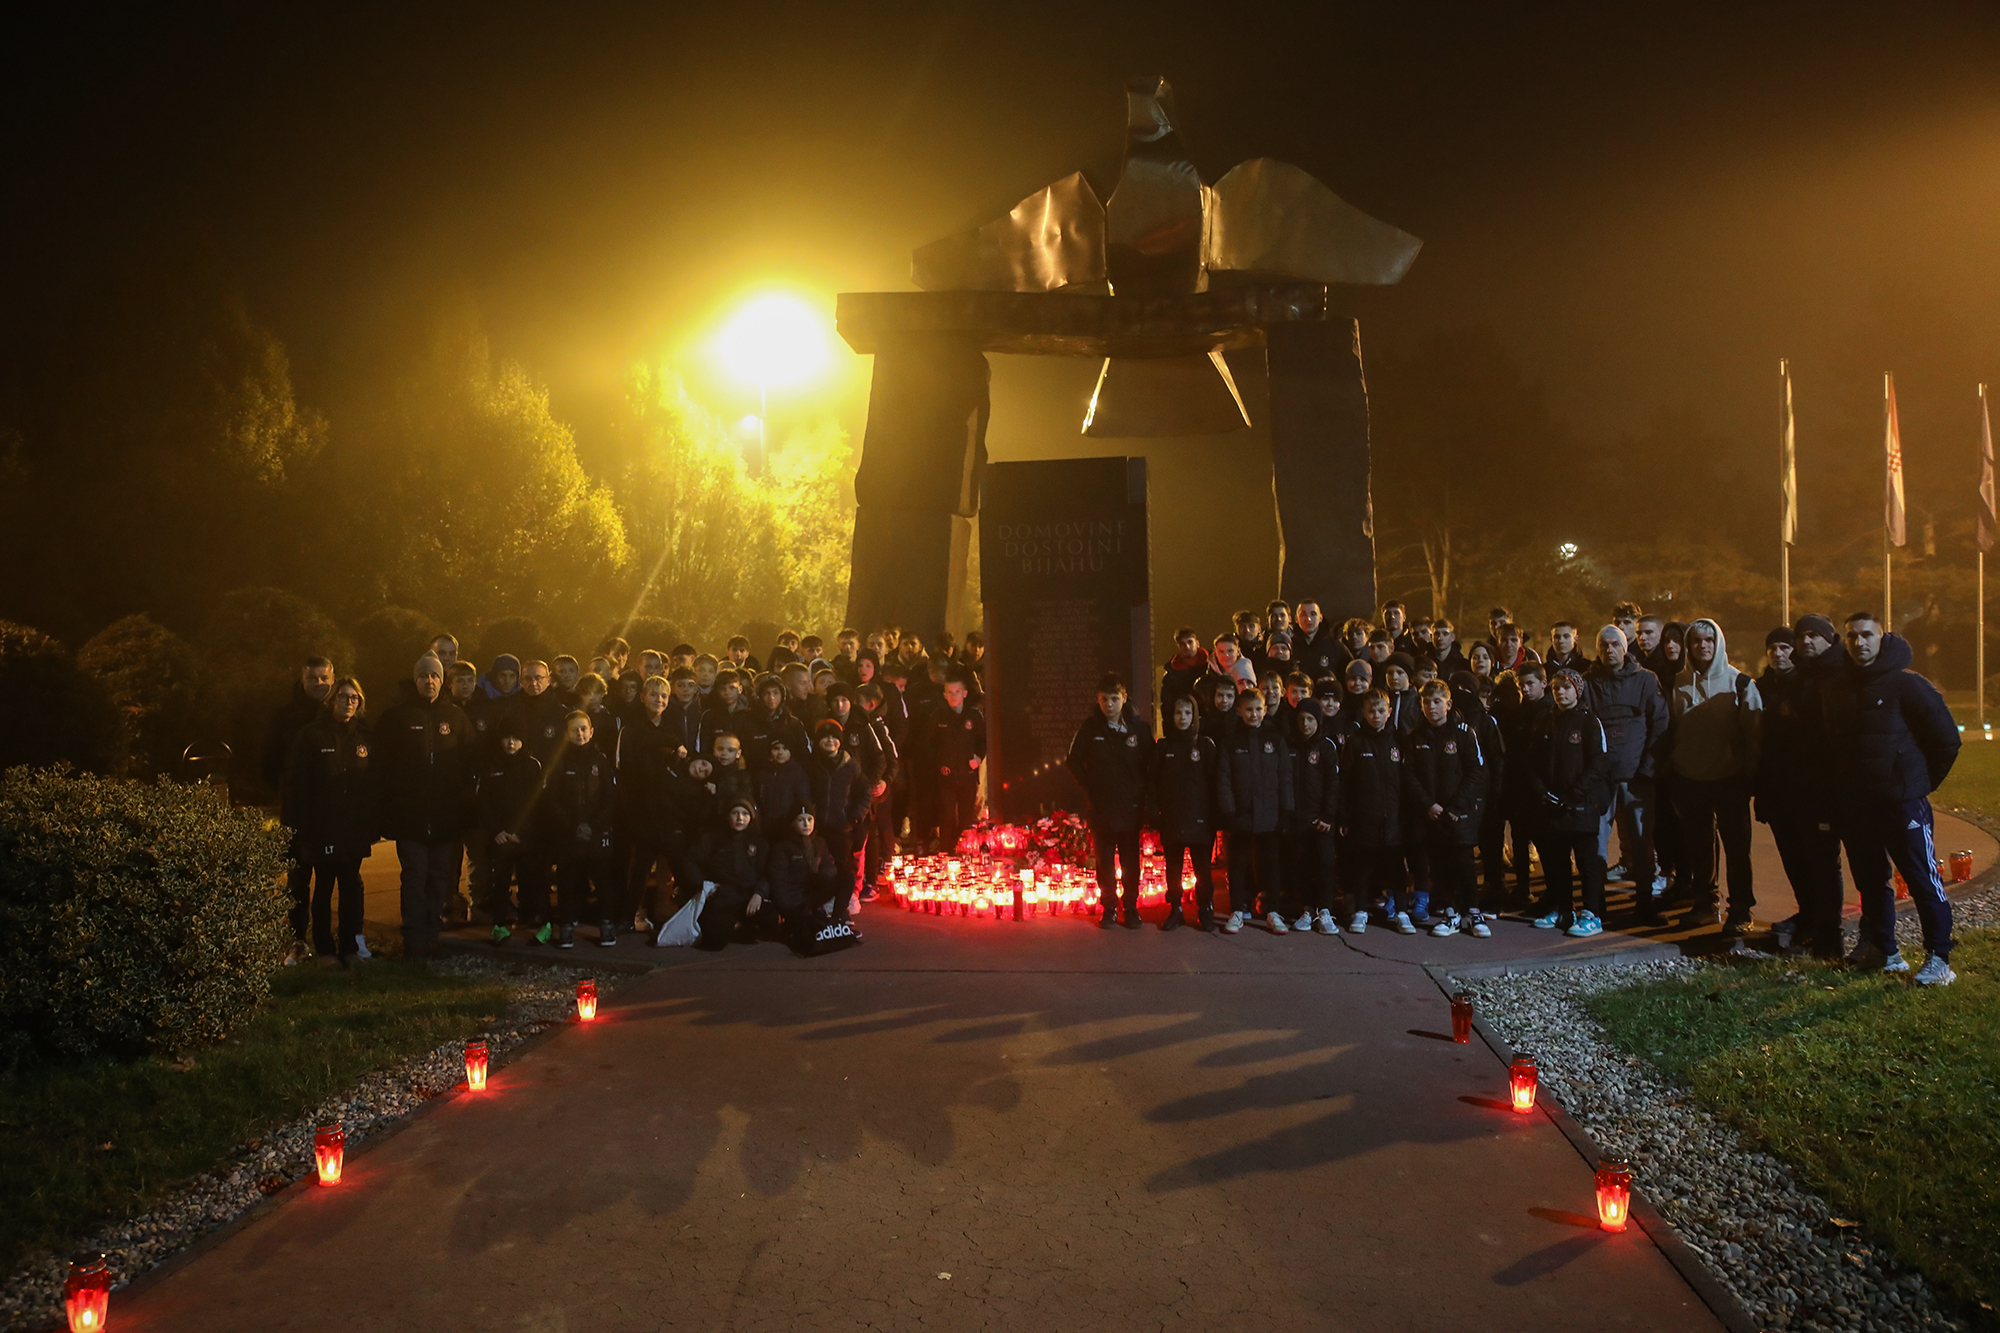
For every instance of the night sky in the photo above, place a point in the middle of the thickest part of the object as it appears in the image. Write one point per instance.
(1651, 205)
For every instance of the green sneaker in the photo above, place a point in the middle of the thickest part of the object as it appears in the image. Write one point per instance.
(542, 936)
(501, 935)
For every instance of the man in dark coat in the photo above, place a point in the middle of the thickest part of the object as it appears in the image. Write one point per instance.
(1891, 741)
(1111, 756)
(1627, 701)
(422, 748)
(1793, 790)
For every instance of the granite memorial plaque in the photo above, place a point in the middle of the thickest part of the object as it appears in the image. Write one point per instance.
(1066, 580)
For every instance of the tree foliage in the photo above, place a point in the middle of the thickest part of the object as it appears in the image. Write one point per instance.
(154, 679)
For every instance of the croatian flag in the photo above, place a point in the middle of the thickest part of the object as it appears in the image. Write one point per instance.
(1788, 464)
(1892, 447)
(1987, 519)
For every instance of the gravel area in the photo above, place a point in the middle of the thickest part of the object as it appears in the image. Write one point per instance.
(31, 1297)
(1762, 1233)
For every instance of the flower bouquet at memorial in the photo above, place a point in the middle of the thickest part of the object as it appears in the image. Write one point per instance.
(1063, 839)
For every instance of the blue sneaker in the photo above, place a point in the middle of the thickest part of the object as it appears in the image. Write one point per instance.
(1549, 922)
(1586, 925)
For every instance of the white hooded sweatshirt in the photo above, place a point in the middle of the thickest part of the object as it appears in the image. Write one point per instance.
(1716, 725)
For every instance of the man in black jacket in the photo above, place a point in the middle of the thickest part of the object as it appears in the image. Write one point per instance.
(1794, 792)
(1891, 742)
(309, 696)
(422, 748)
(1110, 756)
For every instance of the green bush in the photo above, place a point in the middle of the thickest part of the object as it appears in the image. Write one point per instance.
(134, 916)
(51, 712)
(153, 678)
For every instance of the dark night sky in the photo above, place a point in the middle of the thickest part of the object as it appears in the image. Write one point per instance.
(1653, 204)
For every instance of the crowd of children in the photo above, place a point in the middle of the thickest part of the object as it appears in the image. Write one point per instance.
(1355, 772)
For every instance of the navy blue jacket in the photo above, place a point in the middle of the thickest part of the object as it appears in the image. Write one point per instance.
(1889, 735)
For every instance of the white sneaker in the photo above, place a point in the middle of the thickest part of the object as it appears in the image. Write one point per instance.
(1325, 924)
(1895, 962)
(1233, 924)
(1305, 921)
(1659, 885)
(1275, 923)
(361, 947)
(1616, 874)
(854, 903)
(1443, 928)
(1358, 923)
(1935, 972)
(1479, 930)
(1401, 921)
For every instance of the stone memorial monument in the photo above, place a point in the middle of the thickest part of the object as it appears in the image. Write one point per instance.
(1064, 573)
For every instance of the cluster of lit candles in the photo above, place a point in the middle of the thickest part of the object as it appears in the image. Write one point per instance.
(87, 1294)
(998, 888)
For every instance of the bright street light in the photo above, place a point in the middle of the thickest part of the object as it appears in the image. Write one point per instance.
(774, 341)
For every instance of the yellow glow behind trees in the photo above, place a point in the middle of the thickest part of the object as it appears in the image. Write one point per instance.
(775, 341)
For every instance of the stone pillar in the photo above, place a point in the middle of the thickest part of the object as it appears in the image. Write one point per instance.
(1319, 463)
(917, 487)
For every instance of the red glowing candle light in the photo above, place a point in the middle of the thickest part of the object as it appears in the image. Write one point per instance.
(475, 1066)
(586, 999)
(1522, 1079)
(1961, 866)
(1461, 1017)
(87, 1296)
(1614, 1195)
(329, 1153)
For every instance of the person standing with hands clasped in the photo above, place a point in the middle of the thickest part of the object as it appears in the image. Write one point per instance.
(1892, 741)
(1111, 757)
(1446, 776)
(1190, 801)
(423, 748)
(1568, 770)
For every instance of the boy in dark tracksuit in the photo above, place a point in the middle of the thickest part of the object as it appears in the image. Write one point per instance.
(1189, 799)
(782, 785)
(1519, 705)
(1492, 818)
(839, 801)
(1371, 810)
(1110, 756)
(1568, 767)
(881, 764)
(1445, 769)
(807, 887)
(1308, 830)
(509, 782)
(579, 798)
(1259, 766)
(733, 857)
(951, 744)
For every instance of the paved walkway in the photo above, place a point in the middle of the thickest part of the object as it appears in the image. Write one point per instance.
(1082, 1129)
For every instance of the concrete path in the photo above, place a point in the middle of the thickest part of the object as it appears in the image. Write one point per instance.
(1024, 1127)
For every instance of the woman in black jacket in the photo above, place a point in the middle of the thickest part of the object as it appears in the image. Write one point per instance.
(1308, 830)
(330, 804)
(1188, 801)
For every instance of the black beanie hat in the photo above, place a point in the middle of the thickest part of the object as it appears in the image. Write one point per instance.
(1816, 623)
(1780, 635)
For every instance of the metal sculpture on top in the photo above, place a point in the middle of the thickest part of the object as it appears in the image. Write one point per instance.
(1163, 233)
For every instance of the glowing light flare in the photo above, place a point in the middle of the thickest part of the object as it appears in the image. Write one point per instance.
(1614, 1195)
(475, 1066)
(586, 1000)
(773, 341)
(87, 1296)
(329, 1153)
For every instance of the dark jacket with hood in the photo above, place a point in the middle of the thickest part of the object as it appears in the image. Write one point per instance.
(1891, 737)
(1112, 767)
(1189, 798)
(1445, 765)
(510, 787)
(329, 796)
(579, 789)
(1568, 770)
(801, 872)
(1373, 787)
(737, 861)
(840, 796)
(422, 757)
(1315, 778)
(1794, 762)
(1180, 675)
(781, 789)
(1258, 764)
(1633, 712)
(762, 725)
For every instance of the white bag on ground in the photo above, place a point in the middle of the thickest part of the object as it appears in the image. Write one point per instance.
(684, 927)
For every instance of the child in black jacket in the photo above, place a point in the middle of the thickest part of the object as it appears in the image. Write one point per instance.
(1568, 769)
(1110, 757)
(579, 796)
(1258, 763)
(509, 782)
(1308, 830)
(1371, 813)
(1446, 771)
(1188, 800)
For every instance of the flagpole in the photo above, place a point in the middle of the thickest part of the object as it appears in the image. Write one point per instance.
(1785, 480)
(1888, 551)
(1979, 582)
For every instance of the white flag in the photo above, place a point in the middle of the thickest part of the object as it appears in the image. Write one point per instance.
(1892, 448)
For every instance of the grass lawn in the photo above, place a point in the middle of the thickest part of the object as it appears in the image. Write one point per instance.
(89, 1143)
(1975, 779)
(1883, 1094)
